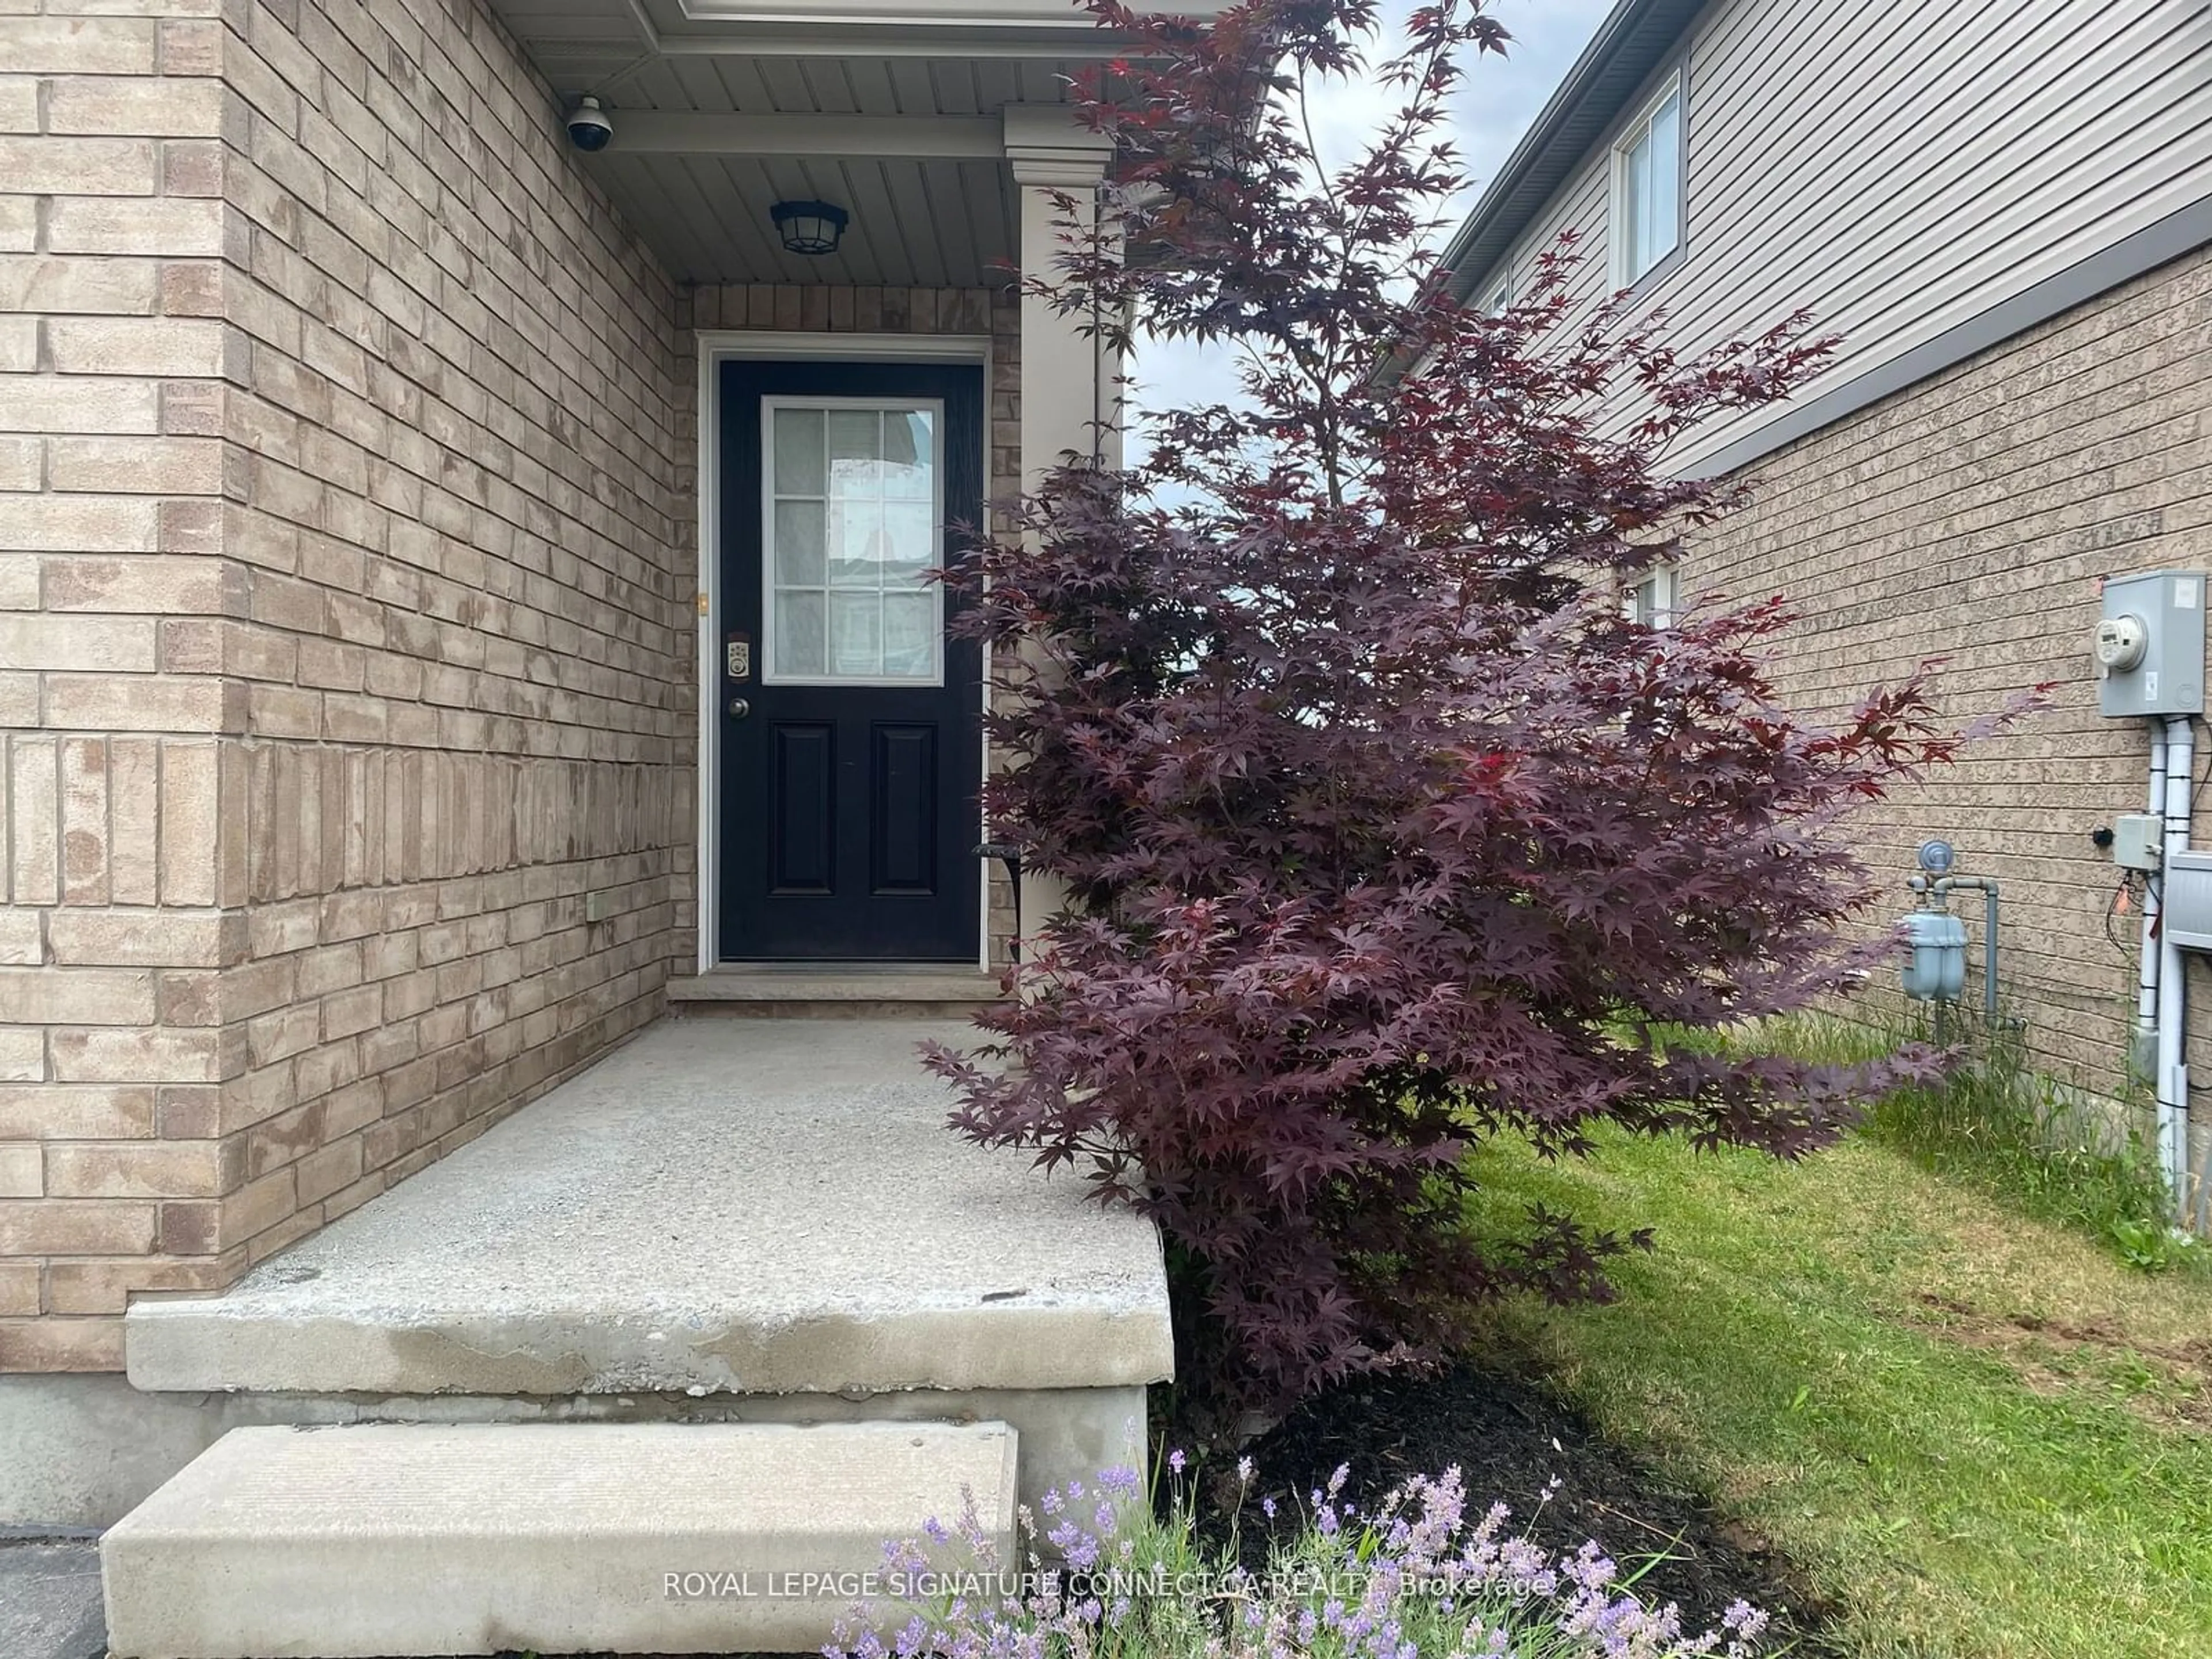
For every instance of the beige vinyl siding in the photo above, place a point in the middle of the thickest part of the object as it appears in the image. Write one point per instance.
(1904, 172)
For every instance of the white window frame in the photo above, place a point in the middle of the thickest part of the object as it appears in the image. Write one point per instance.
(1662, 583)
(1500, 296)
(1676, 86)
(770, 407)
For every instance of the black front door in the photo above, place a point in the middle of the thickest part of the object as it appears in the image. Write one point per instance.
(851, 724)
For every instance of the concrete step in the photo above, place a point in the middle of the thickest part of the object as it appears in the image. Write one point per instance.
(398, 1540)
(838, 991)
(718, 1208)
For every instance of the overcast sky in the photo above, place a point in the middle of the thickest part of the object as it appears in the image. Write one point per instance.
(1499, 99)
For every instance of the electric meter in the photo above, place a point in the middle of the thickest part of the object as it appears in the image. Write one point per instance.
(2121, 643)
(2149, 647)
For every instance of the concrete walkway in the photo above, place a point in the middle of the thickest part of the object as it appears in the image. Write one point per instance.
(761, 1205)
(49, 1599)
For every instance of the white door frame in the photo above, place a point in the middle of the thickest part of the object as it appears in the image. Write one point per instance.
(717, 346)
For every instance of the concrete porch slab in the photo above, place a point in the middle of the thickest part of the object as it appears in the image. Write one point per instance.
(762, 1207)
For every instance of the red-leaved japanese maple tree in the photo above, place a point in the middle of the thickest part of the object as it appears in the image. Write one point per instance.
(1384, 831)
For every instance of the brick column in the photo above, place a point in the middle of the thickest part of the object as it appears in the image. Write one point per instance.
(117, 717)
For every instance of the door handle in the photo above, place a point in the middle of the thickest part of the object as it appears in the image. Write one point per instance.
(739, 708)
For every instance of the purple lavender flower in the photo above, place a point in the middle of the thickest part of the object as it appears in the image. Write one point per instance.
(1418, 1570)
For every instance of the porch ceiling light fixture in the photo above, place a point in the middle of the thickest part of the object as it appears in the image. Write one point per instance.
(810, 228)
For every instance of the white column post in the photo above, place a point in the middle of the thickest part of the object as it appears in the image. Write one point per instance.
(1068, 383)
(1067, 389)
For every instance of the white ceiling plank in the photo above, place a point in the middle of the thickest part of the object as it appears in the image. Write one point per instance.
(742, 87)
(831, 87)
(699, 86)
(893, 244)
(1047, 83)
(654, 84)
(1011, 30)
(686, 242)
(734, 188)
(989, 189)
(954, 85)
(997, 84)
(685, 132)
(956, 225)
(862, 252)
(910, 77)
(872, 92)
(889, 244)
(787, 86)
(573, 67)
(926, 234)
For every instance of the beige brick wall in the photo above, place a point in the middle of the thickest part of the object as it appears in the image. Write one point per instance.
(115, 360)
(347, 711)
(992, 313)
(1969, 517)
(467, 626)
(345, 631)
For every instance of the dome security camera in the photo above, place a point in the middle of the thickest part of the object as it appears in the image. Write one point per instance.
(589, 130)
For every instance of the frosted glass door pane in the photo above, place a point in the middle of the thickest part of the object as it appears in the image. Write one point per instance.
(857, 530)
(855, 449)
(910, 456)
(909, 634)
(798, 451)
(799, 633)
(853, 524)
(855, 643)
(799, 560)
(909, 544)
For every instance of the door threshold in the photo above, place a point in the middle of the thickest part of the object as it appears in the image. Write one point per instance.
(846, 988)
(818, 965)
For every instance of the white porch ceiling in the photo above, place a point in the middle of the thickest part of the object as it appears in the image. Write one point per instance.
(922, 224)
(930, 206)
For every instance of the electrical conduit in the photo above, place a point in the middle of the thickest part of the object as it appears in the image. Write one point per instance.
(2172, 1076)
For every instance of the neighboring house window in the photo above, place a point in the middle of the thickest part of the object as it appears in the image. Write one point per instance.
(1654, 597)
(1499, 296)
(1647, 187)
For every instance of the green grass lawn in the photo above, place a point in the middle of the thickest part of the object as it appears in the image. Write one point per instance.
(1978, 1435)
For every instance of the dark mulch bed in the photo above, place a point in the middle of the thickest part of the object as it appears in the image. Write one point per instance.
(1511, 1438)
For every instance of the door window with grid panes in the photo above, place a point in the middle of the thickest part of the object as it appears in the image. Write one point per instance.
(853, 518)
